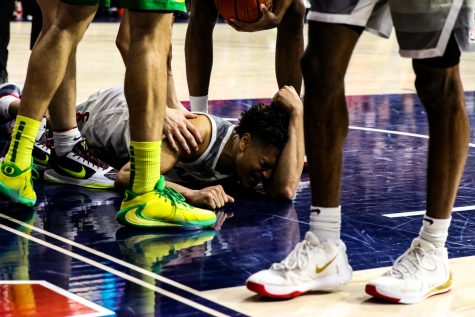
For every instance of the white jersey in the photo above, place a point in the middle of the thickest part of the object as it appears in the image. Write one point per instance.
(104, 121)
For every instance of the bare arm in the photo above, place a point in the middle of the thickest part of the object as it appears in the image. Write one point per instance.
(286, 175)
(209, 197)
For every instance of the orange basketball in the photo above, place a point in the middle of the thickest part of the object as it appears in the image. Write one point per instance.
(241, 10)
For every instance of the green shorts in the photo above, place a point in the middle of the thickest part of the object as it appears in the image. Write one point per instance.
(153, 5)
(104, 3)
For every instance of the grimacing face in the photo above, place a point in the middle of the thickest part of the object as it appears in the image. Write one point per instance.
(255, 162)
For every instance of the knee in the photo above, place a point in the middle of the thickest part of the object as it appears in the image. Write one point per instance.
(437, 85)
(203, 16)
(296, 11)
(294, 17)
(122, 45)
(325, 76)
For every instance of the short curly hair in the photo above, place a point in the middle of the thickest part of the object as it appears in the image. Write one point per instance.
(269, 123)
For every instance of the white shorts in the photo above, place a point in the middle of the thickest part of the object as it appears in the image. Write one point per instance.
(105, 122)
(423, 27)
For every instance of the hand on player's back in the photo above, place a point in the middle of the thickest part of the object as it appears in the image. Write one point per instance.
(178, 131)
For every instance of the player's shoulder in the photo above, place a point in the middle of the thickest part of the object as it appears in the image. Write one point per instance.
(202, 122)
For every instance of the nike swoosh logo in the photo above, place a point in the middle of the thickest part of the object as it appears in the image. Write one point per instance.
(320, 269)
(134, 212)
(430, 221)
(74, 174)
(40, 161)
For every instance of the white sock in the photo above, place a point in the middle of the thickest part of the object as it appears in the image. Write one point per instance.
(435, 231)
(42, 129)
(199, 104)
(325, 223)
(65, 141)
(5, 102)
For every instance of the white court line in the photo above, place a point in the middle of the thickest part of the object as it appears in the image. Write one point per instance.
(422, 212)
(99, 310)
(410, 213)
(130, 278)
(106, 256)
(397, 132)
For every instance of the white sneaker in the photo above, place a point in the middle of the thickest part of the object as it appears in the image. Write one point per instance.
(310, 266)
(422, 271)
(80, 167)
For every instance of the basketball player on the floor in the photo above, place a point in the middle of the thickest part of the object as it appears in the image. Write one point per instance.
(320, 260)
(287, 16)
(145, 76)
(253, 151)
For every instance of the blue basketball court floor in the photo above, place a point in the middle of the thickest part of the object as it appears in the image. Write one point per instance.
(71, 240)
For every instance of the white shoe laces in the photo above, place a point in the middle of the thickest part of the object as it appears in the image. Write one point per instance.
(298, 258)
(415, 259)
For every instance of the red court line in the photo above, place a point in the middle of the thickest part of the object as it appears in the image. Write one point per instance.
(40, 298)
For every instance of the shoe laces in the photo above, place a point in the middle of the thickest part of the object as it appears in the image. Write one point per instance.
(88, 156)
(170, 193)
(412, 261)
(299, 258)
(45, 141)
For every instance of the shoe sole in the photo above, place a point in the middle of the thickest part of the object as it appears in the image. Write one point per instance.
(285, 292)
(150, 223)
(372, 290)
(14, 196)
(53, 177)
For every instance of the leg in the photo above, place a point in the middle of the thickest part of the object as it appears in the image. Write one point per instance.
(52, 53)
(199, 50)
(6, 12)
(46, 69)
(62, 107)
(326, 116)
(441, 92)
(289, 47)
(440, 89)
(122, 40)
(145, 90)
(326, 126)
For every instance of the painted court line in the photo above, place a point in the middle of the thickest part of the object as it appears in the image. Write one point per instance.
(130, 278)
(410, 213)
(106, 256)
(100, 311)
(422, 212)
(396, 132)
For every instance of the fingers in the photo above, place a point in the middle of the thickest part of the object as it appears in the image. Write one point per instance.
(264, 9)
(177, 135)
(171, 142)
(215, 197)
(195, 133)
(190, 115)
(238, 26)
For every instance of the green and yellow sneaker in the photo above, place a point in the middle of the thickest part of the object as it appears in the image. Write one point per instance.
(17, 184)
(153, 249)
(163, 207)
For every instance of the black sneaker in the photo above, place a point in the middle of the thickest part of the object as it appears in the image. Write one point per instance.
(80, 167)
(42, 151)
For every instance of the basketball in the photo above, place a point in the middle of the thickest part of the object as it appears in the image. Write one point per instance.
(241, 10)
